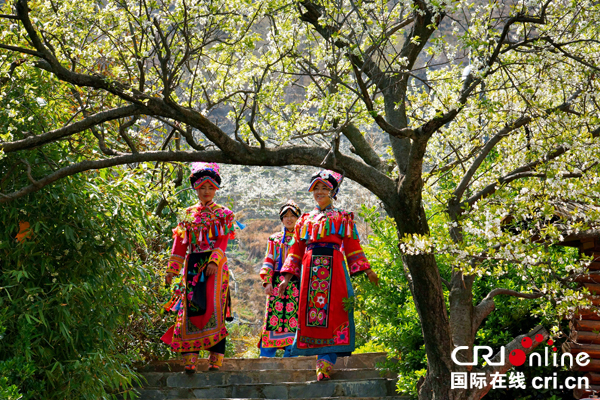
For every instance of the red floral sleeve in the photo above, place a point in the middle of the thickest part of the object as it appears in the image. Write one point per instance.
(178, 251)
(229, 218)
(266, 272)
(357, 261)
(218, 257)
(225, 229)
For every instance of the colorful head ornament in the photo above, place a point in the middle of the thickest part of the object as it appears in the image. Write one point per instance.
(331, 179)
(205, 172)
(291, 206)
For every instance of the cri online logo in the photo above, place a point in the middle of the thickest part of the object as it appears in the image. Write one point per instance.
(517, 357)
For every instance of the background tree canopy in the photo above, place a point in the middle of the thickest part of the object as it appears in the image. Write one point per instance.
(455, 114)
(72, 281)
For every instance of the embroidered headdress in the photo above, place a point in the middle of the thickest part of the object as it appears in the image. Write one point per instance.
(205, 172)
(292, 206)
(331, 179)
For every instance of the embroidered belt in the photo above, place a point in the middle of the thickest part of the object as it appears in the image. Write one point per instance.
(328, 245)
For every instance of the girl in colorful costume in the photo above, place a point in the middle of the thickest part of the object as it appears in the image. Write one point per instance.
(201, 299)
(281, 316)
(326, 327)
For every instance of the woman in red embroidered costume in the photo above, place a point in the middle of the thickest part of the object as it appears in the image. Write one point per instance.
(325, 328)
(201, 298)
(281, 316)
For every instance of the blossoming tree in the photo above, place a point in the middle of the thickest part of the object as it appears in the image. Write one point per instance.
(464, 109)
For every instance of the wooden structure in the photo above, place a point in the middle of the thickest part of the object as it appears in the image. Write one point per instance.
(585, 325)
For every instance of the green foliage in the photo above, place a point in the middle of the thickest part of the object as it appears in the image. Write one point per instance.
(70, 285)
(386, 318)
(78, 277)
(513, 317)
(140, 333)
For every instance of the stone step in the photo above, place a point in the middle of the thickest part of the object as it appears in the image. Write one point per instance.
(364, 360)
(331, 398)
(203, 379)
(375, 387)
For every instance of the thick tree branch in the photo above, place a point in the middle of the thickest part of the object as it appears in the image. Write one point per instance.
(517, 173)
(464, 183)
(520, 172)
(50, 63)
(507, 292)
(411, 186)
(460, 301)
(383, 124)
(21, 50)
(518, 18)
(394, 89)
(569, 55)
(487, 305)
(34, 183)
(369, 177)
(76, 127)
(471, 83)
(446, 283)
(204, 125)
(9, 16)
(420, 33)
(516, 343)
(361, 147)
(123, 132)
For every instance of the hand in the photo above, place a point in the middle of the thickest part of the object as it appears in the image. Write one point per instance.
(169, 278)
(269, 289)
(211, 269)
(372, 277)
(284, 284)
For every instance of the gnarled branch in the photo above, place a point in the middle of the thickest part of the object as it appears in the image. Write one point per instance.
(487, 305)
(76, 127)
(361, 146)
(369, 177)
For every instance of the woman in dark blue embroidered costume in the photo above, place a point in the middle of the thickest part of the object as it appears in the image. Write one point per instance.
(201, 299)
(325, 328)
(281, 316)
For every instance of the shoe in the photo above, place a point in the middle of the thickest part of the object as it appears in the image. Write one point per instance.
(322, 377)
(190, 362)
(190, 370)
(324, 369)
(215, 361)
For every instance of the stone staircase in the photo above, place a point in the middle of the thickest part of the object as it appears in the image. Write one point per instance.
(355, 377)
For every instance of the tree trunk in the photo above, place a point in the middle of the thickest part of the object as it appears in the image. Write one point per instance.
(429, 301)
(428, 296)
(461, 313)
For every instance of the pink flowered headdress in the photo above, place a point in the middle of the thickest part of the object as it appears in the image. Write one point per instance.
(205, 172)
(331, 179)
